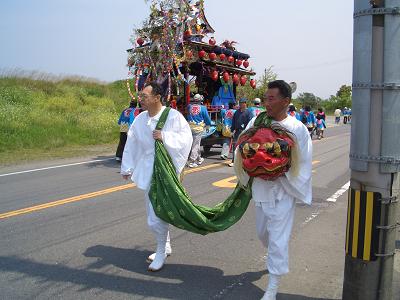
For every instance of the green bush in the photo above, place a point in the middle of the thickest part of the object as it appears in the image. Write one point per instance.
(45, 115)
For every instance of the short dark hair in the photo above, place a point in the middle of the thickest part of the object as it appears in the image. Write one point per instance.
(284, 88)
(156, 89)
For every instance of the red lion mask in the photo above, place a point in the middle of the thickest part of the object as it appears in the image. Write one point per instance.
(266, 152)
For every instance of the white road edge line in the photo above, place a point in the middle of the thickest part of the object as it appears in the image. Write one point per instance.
(56, 167)
(339, 193)
(332, 198)
(310, 218)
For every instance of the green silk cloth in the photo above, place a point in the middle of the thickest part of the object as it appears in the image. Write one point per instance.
(172, 204)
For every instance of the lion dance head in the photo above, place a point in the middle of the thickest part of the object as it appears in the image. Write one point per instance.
(266, 151)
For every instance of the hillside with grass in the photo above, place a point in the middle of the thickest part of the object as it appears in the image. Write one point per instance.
(42, 118)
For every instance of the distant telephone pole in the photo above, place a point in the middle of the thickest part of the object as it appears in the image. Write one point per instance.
(374, 152)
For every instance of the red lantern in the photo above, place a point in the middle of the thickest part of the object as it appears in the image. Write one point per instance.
(246, 64)
(239, 62)
(140, 41)
(236, 79)
(202, 53)
(253, 83)
(243, 80)
(225, 77)
(189, 54)
(212, 56)
(222, 57)
(212, 41)
(231, 59)
(214, 75)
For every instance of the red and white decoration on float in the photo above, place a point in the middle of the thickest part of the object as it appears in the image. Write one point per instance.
(176, 44)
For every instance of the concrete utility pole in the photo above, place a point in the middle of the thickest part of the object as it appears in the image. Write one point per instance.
(374, 151)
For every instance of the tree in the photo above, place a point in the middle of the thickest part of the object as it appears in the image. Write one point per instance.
(330, 104)
(308, 99)
(248, 92)
(344, 96)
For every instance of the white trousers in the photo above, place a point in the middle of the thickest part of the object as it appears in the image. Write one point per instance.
(195, 153)
(156, 225)
(225, 148)
(274, 226)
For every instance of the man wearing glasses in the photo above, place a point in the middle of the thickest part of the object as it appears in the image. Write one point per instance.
(275, 200)
(138, 158)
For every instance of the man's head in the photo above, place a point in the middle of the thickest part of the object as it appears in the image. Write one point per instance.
(197, 99)
(257, 102)
(292, 108)
(243, 104)
(150, 96)
(277, 99)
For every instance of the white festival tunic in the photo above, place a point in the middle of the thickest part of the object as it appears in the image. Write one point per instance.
(138, 156)
(297, 181)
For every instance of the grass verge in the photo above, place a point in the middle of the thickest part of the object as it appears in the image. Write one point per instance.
(42, 119)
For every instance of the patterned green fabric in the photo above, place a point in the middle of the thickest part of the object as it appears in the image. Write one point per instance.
(263, 120)
(172, 204)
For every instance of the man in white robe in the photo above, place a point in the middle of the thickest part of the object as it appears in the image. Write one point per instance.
(138, 158)
(275, 201)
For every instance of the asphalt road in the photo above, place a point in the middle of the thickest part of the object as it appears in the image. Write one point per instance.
(61, 240)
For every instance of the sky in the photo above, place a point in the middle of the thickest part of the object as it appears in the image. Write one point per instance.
(306, 41)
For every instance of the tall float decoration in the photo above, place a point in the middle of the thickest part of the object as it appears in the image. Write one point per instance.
(176, 47)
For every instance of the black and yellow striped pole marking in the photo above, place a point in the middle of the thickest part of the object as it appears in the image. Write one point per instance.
(363, 216)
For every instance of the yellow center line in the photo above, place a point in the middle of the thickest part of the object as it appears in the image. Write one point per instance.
(90, 195)
(47, 205)
(65, 201)
(314, 163)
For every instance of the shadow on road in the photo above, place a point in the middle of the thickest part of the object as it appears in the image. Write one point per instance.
(128, 274)
(297, 297)
(214, 154)
(175, 281)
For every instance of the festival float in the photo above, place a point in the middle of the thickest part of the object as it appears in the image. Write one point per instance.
(175, 46)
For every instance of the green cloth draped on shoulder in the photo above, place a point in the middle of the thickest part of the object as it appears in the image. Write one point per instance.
(173, 205)
(263, 120)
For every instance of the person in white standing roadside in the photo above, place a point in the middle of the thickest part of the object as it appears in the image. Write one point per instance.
(139, 153)
(275, 201)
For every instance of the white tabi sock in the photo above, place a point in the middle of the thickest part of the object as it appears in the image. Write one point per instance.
(159, 259)
(168, 252)
(272, 289)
